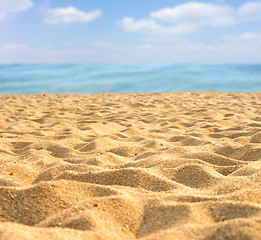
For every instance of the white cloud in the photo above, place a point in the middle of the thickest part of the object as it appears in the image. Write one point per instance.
(191, 17)
(250, 10)
(2, 16)
(150, 26)
(255, 38)
(187, 52)
(7, 6)
(14, 47)
(68, 43)
(102, 44)
(250, 36)
(20, 53)
(12, 6)
(70, 15)
(185, 18)
(78, 51)
(145, 46)
(196, 14)
(130, 25)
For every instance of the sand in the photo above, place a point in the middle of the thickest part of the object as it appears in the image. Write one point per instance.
(130, 166)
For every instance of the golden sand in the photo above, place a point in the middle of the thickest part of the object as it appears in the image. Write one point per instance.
(130, 166)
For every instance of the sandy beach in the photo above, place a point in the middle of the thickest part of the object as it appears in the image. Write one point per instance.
(131, 166)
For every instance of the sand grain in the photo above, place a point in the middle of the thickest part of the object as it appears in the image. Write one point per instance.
(131, 166)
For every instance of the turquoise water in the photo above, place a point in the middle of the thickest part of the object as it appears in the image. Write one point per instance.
(119, 78)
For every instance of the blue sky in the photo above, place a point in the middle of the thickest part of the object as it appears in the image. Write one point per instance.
(130, 31)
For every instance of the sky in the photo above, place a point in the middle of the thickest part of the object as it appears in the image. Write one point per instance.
(130, 31)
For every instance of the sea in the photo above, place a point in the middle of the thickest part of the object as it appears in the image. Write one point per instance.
(128, 78)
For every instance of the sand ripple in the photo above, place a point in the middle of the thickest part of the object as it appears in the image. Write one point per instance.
(138, 166)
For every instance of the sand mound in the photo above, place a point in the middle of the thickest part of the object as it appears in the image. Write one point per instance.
(130, 166)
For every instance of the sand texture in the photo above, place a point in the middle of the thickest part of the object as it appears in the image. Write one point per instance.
(130, 166)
